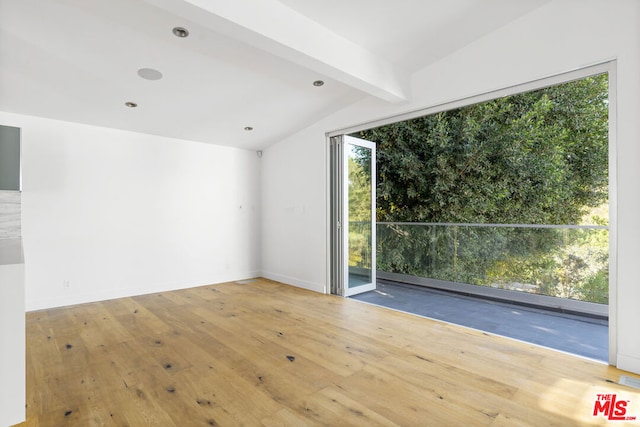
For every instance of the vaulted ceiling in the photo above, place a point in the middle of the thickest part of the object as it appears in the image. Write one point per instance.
(245, 63)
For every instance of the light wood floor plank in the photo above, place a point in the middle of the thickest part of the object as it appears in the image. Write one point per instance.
(263, 353)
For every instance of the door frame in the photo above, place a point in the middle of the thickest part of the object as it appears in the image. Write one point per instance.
(608, 66)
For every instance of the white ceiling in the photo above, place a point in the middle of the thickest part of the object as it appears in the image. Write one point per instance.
(245, 63)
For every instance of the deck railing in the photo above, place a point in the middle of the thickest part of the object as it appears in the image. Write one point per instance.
(564, 261)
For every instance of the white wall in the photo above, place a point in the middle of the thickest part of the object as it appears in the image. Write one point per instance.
(12, 342)
(109, 213)
(294, 236)
(560, 36)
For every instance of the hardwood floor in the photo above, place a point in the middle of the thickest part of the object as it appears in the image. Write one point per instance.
(263, 353)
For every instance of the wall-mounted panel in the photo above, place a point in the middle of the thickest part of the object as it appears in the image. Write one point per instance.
(9, 158)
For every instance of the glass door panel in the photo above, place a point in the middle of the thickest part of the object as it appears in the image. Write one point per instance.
(352, 219)
(359, 213)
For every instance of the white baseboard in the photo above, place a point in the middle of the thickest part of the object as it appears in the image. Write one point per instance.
(67, 299)
(628, 363)
(316, 287)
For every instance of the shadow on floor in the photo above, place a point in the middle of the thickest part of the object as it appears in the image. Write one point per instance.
(583, 336)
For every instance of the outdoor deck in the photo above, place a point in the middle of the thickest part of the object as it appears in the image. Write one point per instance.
(579, 335)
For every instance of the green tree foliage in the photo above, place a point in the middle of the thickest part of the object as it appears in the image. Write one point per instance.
(534, 158)
(359, 191)
(539, 157)
(359, 210)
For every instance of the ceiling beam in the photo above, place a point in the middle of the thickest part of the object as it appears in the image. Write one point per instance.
(275, 28)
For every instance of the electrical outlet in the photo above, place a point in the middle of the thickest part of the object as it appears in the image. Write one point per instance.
(65, 284)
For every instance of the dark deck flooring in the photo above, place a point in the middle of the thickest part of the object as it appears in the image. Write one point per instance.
(583, 336)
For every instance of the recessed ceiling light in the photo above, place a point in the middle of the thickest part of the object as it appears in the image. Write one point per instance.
(131, 104)
(318, 83)
(248, 128)
(149, 74)
(180, 32)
